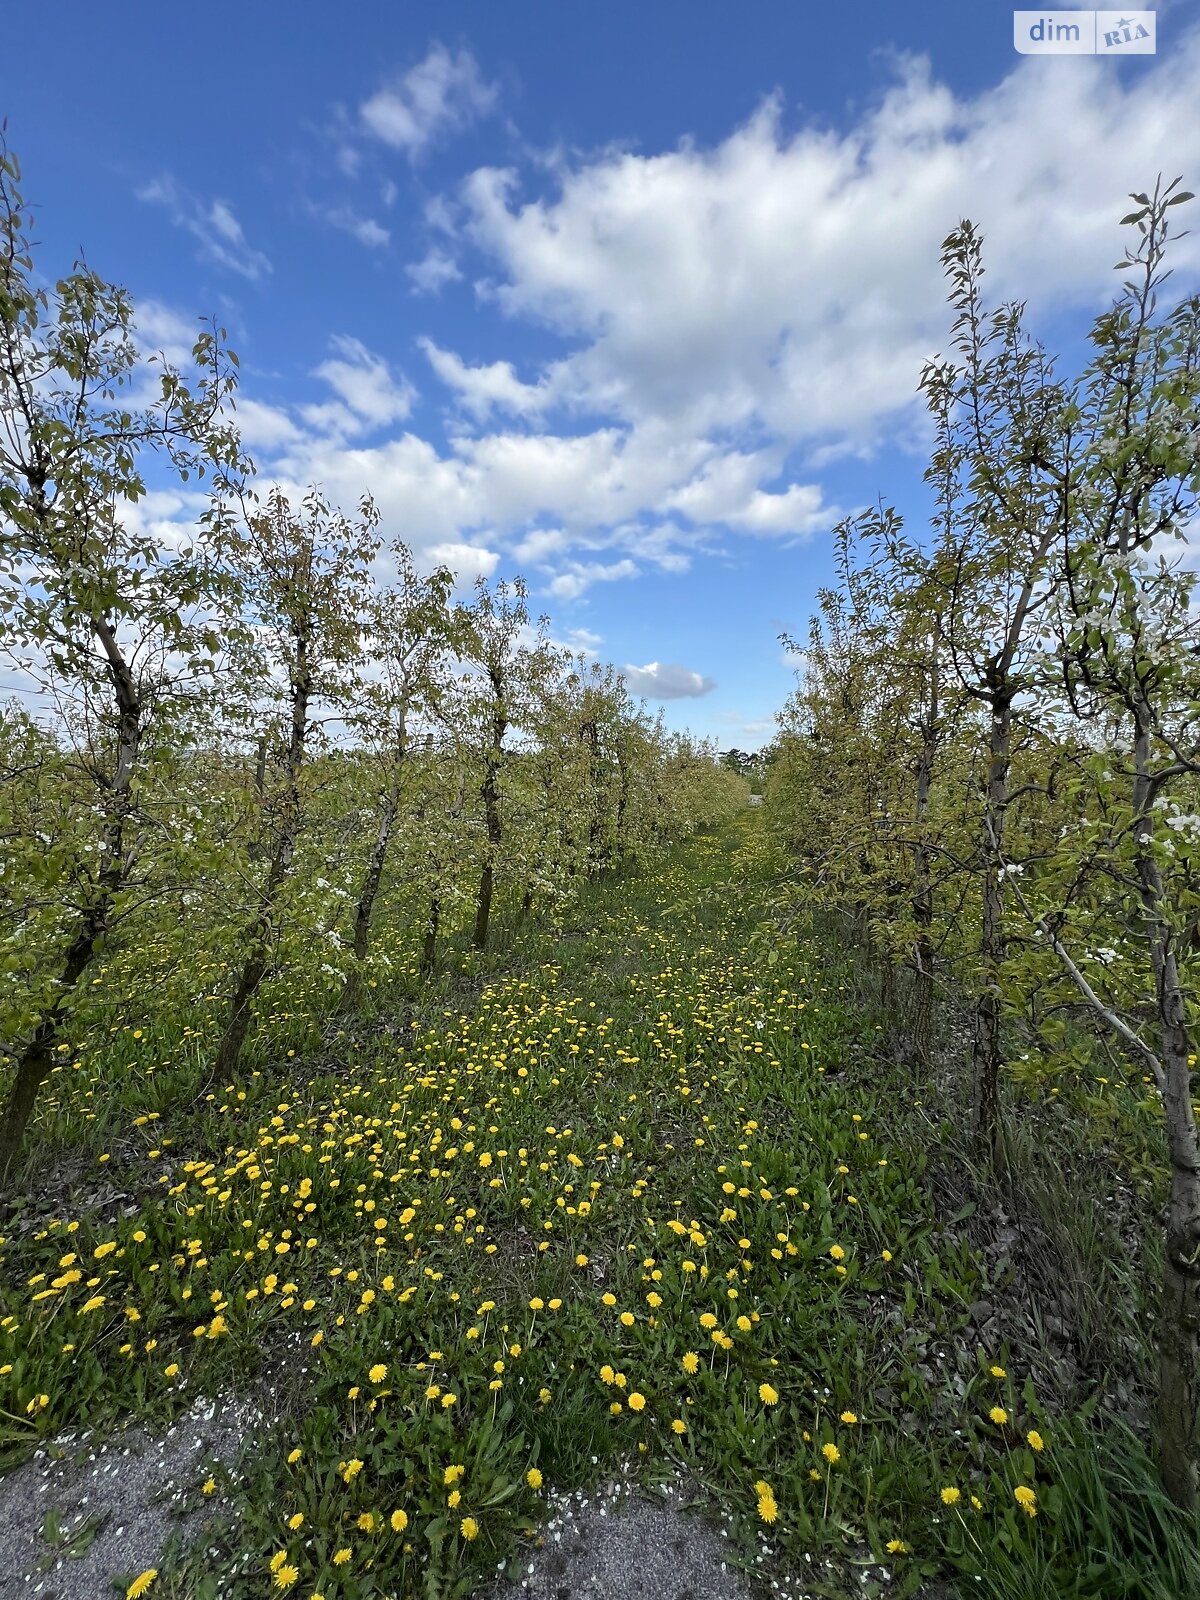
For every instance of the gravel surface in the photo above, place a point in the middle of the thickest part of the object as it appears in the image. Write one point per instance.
(616, 1546)
(118, 1502)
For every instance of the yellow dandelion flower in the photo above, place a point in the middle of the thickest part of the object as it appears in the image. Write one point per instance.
(469, 1528)
(399, 1521)
(141, 1584)
(767, 1395)
(951, 1496)
(1026, 1499)
(533, 1478)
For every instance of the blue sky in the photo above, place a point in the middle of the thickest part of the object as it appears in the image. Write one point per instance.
(631, 299)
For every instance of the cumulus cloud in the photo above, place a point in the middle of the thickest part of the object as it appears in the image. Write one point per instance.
(666, 680)
(731, 318)
(787, 280)
(433, 272)
(264, 426)
(368, 396)
(466, 561)
(580, 575)
(484, 387)
(212, 223)
(365, 229)
(166, 332)
(443, 93)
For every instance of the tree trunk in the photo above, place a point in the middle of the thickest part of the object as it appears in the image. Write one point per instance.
(921, 1024)
(921, 1016)
(35, 1061)
(366, 902)
(1178, 1409)
(254, 968)
(429, 954)
(1179, 1339)
(490, 792)
(986, 1046)
(887, 988)
(237, 1022)
(483, 905)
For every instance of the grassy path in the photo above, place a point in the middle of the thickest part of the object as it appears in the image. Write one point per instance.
(640, 1199)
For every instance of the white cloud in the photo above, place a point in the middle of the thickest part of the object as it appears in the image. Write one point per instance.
(441, 94)
(212, 223)
(580, 575)
(787, 282)
(466, 561)
(484, 387)
(583, 641)
(540, 545)
(726, 490)
(659, 680)
(369, 396)
(433, 272)
(365, 229)
(797, 510)
(163, 331)
(265, 426)
(727, 312)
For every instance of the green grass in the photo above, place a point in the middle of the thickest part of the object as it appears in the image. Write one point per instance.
(634, 1121)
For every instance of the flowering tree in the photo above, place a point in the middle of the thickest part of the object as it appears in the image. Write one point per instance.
(409, 639)
(114, 631)
(303, 577)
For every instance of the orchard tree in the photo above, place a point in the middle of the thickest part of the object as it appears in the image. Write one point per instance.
(1128, 866)
(1002, 427)
(409, 637)
(303, 574)
(113, 630)
(507, 659)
